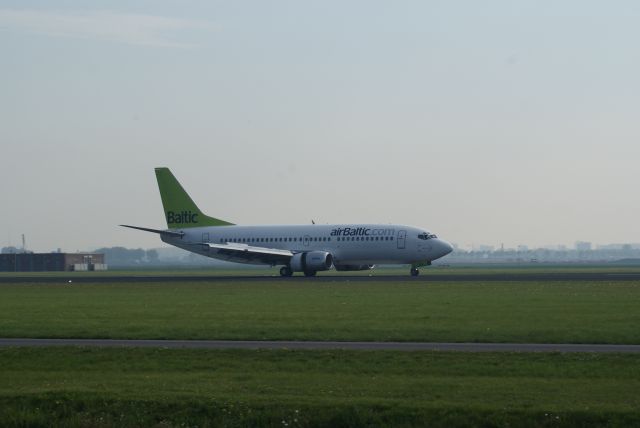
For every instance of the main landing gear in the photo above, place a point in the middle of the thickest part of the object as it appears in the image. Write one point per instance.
(414, 271)
(286, 271)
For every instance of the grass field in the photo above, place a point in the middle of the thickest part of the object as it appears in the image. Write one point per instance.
(87, 387)
(554, 312)
(161, 387)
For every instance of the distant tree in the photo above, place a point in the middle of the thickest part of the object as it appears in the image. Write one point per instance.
(152, 256)
(10, 250)
(120, 256)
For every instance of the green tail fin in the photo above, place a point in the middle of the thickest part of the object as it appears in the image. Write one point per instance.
(179, 209)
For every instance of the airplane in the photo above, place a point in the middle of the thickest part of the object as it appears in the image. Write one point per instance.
(298, 248)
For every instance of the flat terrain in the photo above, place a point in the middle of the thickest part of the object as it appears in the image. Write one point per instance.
(250, 270)
(527, 272)
(322, 345)
(162, 387)
(298, 309)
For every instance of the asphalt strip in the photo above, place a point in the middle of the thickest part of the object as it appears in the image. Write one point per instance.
(309, 345)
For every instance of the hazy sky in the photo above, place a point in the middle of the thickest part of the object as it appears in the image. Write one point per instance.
(514, 122)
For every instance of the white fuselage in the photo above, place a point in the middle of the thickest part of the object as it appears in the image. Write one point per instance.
(349, 244)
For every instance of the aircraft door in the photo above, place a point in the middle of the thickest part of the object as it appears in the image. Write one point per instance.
(306, 240)
(402, 239)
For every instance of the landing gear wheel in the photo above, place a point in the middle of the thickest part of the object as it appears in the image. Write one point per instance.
(309, 273)
(414, 271)
(286, 271)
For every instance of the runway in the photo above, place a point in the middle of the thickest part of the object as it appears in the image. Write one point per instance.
(314, 345)
(424, 277)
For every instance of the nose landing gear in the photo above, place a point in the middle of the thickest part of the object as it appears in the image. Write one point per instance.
(414, 267)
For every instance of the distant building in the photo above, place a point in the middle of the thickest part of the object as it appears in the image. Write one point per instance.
(583, 246)
(44, 262)
(482, 248)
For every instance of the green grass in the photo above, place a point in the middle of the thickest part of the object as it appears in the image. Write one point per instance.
(555, 312)
(162, 387)
(87, 387)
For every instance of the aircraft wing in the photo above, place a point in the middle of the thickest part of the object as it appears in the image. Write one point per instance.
(249, 253)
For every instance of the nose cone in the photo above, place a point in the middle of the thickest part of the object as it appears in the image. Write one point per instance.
(442, 248)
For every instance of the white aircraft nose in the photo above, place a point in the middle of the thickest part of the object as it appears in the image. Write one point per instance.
(443, 248)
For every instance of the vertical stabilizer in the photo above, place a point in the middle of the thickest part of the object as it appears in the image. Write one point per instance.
(179, 209)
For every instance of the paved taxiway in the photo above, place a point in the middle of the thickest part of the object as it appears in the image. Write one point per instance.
(425, 277)
(312, 345)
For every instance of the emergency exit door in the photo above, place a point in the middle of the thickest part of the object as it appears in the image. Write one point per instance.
(402, 239)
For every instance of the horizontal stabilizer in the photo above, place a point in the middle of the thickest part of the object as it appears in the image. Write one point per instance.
(161, 232)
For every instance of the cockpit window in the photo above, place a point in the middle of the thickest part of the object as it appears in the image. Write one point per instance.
(425, 236)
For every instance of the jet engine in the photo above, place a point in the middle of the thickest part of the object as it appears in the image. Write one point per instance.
(311, 261)
(354, 267)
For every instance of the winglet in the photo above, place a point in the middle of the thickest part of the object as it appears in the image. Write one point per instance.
(179, 209)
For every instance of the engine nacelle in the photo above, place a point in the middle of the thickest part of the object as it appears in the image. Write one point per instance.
(311, 261)
(354, 267)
